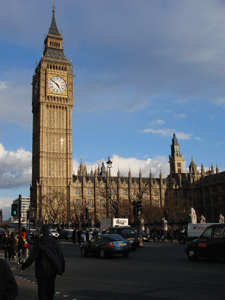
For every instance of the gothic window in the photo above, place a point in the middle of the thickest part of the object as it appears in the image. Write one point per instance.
(90, 204)
(156, 193)
(207, 201)
(77, 202)
(77, 192)
(89, 192)
(124, 192)
(102, 204)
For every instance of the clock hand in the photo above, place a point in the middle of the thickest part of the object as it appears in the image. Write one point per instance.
(55, 82)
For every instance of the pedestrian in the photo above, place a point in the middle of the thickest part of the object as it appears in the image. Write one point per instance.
(162, 235)
(12, 246)
(74, 236)
(23, 243)
(169, 235)
(6, 245)
(49, 262)
(103, 231)
(87, 235)
(79, 236)
(8, 285)
(158, 235)
(95, 232)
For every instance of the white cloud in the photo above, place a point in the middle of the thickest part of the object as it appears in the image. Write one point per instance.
(198, 139)
(2, 85)
(168, 132)
(180, 116)
(158, 122)
(15, 168)
(219, 101)
(15, 97)
(155, 165)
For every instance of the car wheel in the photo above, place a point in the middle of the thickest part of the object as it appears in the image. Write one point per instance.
(83, 252)
(182, 240)
(125, 254)
(191, 254)
(102, 253)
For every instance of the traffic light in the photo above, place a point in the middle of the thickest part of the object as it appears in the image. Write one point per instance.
(14, 212)
(135, 207)
(139, 207)
(87, 213)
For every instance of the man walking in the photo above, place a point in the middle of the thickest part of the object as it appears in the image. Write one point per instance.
(49, 262)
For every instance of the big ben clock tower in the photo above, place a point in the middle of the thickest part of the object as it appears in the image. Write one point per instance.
(175, 159)
(52, 102)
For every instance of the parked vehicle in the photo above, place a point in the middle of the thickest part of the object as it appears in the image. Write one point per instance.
(211, 243)
(54, 233)
(66, 234)
(145, 236)
(126, 232)
(192, 232)
(106, 245)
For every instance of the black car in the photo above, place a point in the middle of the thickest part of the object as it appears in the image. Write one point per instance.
(106, 245)
(211, 243)
(66, 234)
(126, 232)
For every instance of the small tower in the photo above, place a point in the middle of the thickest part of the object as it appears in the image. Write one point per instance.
(175, 159)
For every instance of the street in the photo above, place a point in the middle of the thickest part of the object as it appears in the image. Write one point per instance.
(157, 271)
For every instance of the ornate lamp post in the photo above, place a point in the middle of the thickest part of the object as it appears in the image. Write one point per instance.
(109, 166)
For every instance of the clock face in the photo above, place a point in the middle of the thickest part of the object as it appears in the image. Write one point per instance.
(57, 84)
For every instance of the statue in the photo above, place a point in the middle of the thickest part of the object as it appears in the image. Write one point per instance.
(203, 219)
(221, 218)
(193, 216)
(142, 224)
(165, 224)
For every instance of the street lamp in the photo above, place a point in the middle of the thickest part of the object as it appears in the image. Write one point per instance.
(109, 166)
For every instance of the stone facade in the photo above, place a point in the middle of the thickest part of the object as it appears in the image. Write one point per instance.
(55, 189)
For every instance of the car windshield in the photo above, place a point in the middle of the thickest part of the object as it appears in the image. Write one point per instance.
(207, 233)
(127, 232)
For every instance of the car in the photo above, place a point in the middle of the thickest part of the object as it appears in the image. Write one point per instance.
(145, 236)
(210, 244)
(126, 232)
(54, 233)
(106, 245)
(66, 234)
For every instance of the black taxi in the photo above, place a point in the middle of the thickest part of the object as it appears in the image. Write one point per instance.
(211, 243)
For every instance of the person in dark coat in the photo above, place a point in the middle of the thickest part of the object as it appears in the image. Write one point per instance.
(95, 232)
(6, 242)
(12, 246)
(49, 262)
(74, 236)
(79, 236)
(8, 285)
(87, 235)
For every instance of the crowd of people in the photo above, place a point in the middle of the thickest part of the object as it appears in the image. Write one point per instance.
(15, 244)
(45, 253)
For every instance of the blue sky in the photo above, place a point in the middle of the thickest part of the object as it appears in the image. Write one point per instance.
(143, 69)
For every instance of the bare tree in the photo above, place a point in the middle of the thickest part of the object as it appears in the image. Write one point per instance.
(54, 207)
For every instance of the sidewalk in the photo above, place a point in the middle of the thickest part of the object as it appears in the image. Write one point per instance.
(27, 290)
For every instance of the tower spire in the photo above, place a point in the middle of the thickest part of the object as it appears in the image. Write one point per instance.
(53, 30)
(53, 9)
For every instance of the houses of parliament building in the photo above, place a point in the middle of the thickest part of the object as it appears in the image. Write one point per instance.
(58, 196)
